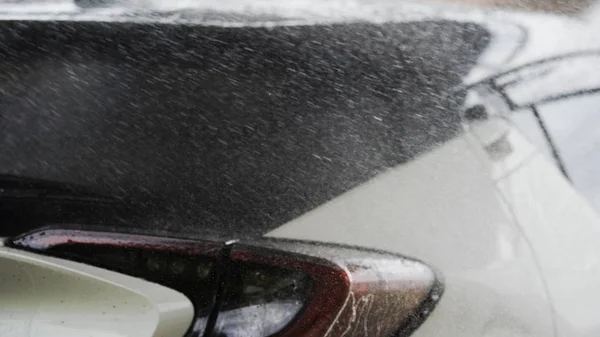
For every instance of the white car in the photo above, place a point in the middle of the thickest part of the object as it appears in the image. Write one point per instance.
(298, 168)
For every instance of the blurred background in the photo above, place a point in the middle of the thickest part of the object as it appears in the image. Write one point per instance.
(559, 6)
(571, 7)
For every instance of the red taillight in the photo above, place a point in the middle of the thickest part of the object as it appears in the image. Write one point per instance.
(323, 287)
(270, 288)
(355, 292)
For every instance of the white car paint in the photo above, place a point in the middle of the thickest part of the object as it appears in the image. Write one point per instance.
(564, 231)
(48, 297)
(513, 240)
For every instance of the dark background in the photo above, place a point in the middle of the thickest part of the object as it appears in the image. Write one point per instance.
(232, 131)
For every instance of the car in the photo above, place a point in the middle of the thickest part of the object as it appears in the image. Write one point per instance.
(298, 169)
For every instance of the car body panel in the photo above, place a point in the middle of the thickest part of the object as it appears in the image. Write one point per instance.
(50, 297)
(564, 234)
(427, 208)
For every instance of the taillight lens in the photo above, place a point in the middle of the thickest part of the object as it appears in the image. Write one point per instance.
(260, 299)
(346, 292)
(270, 288)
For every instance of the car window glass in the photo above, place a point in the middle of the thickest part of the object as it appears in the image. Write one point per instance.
(573, 124)
(551, 80)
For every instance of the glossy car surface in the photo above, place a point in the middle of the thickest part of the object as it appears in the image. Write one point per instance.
(460, 137)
